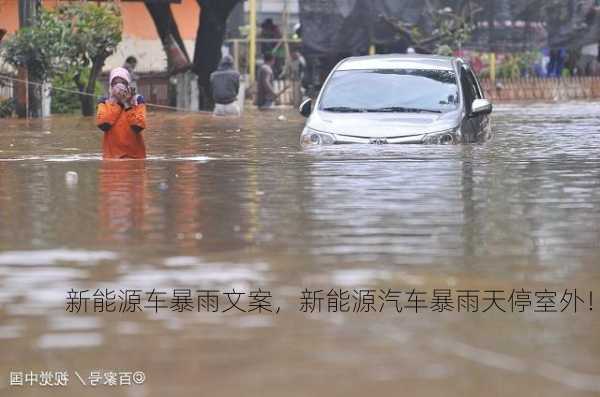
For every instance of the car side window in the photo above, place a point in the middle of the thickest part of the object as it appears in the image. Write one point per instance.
(469, 90)
(475, 83)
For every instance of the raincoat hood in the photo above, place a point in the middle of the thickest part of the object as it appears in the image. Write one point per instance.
(119, 72)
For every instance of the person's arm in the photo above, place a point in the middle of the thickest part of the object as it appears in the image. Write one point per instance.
(136, 114)
(106, 115)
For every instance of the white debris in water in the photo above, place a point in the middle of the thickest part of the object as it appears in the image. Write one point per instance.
(71, 178)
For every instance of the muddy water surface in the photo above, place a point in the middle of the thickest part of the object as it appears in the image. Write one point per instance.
(236, 204)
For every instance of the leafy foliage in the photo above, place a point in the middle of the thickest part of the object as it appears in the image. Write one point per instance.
(66, 101)
(450, 27)
(94, 32)
(7, 107)
(72, 40)
(39, 47)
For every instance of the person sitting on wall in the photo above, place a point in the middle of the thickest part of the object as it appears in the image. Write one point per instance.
(269, 31)
(225, 86)
(122, 117)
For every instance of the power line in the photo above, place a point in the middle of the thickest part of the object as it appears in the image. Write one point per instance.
(153, 105)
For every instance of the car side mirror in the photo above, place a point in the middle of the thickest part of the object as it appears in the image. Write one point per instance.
(306, 107)
(481, 107)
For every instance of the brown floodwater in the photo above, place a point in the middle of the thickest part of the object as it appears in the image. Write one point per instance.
(237, 204)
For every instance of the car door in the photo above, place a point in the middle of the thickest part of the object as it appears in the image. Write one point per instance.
(483, 121)
(475, 127)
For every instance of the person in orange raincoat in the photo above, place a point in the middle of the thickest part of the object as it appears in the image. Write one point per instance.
(122, 117)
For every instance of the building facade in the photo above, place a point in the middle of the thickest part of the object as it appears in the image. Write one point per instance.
(140, 38)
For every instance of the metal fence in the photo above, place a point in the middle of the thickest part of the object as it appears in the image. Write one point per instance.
(540, 89)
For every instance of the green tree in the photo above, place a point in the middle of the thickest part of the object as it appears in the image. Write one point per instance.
(94, 34)
(74, 39)
(451, 27)
(38, 48)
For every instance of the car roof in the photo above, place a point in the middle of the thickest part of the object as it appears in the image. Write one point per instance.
(398, 61)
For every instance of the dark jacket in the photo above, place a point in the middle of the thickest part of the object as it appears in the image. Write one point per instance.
(225, 82)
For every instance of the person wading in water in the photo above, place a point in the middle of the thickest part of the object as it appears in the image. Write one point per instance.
(122, 117)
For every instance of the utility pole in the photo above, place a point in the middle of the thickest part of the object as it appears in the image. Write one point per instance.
(252, 43)
(23, 91)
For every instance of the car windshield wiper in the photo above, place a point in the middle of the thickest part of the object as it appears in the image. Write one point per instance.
(400, 109)
(344, 109)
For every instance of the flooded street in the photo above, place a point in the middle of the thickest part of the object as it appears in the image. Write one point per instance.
(237, 204)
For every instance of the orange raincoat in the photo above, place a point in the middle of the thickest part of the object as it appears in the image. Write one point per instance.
(122, 129)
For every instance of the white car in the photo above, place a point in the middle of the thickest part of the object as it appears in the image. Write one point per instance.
(386, 99)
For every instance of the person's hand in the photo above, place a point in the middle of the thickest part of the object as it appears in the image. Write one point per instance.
(131, 93)
(130, 97)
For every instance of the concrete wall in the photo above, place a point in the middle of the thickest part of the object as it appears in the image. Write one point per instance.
(149, 53)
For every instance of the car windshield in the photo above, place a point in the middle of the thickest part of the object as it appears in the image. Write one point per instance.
(396, 90)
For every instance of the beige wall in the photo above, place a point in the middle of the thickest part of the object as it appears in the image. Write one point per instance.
(149, 53)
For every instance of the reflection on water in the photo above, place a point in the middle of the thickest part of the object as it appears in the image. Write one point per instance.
(224, 204)
(123, 195)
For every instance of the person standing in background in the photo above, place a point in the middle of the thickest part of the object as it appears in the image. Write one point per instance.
(130, 65)
(225, 86)
(265, 95)
(269, 31)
